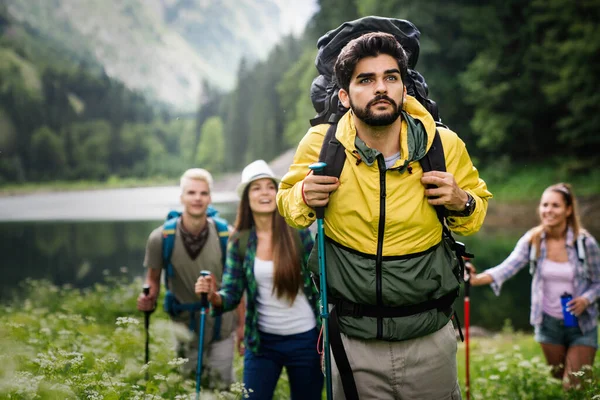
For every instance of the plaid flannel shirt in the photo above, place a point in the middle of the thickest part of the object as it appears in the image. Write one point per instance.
(586, 286)
(239, 277)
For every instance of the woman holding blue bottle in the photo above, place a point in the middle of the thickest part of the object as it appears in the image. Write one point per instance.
(564, 260)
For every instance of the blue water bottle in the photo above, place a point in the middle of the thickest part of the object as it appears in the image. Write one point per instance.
(569, 319)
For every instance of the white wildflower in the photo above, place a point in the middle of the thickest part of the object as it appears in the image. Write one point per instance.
(178, 361)
(93, 395)
(160, 377)
(111, 360)
(525, 364)
(145, 367)
(127, 321)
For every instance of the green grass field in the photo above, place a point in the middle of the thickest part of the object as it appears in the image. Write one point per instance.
(63, 343)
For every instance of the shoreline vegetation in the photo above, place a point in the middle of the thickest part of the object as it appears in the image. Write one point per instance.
(67, 343)
(516, 190)
(517, 184)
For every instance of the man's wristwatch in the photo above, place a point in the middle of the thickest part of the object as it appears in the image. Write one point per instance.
(469, 208)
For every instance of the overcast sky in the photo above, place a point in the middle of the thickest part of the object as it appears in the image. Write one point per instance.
(295, 14)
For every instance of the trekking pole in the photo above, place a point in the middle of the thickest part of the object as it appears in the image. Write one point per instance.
(146, 291)
(467, 310)
(203, 306)
(317, 169)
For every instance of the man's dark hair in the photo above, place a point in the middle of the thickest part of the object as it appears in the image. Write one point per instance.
(370, 44)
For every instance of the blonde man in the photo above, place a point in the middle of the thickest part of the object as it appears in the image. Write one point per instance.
(195, 245)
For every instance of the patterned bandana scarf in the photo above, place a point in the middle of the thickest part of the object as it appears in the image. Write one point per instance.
(194, 244)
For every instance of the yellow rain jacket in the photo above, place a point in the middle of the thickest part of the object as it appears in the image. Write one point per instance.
(383, 239)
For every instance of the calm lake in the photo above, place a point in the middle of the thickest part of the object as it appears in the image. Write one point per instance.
(77, 238)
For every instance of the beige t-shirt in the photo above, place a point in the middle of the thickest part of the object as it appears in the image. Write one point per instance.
(187, 271)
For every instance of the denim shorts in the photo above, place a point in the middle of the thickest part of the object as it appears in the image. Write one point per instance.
(553, 331)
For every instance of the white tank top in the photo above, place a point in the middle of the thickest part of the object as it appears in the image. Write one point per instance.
(557, 278)
(276, 315)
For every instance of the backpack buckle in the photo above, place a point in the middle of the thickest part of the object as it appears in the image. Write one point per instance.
(349, 309)
(461, 250)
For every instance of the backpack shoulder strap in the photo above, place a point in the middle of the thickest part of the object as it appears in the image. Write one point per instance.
(581, 254)
(435, 160)
(243, 237)
(532, 258)
(223, 231)
(168, 243)
(579, 247)
(332, 153)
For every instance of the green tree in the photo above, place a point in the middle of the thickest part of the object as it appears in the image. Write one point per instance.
(237, 118)
(185, 129)
(332, 13)
(47, 154)
(210, 104)
(569, 55)
(211, 149)
(90, 149)
(295, 98)
(135, 149)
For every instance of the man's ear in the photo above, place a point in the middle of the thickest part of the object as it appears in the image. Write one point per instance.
(344, 98)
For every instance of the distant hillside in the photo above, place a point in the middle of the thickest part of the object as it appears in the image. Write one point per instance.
(166, 47)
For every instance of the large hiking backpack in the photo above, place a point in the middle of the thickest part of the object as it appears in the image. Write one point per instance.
(324, 96)
(171, 305)
(324, 88)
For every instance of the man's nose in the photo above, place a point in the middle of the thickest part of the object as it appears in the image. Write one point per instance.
(380, 87)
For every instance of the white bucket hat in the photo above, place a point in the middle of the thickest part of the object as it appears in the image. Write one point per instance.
(255, 170)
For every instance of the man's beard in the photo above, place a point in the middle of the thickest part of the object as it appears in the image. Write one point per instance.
(369, 118)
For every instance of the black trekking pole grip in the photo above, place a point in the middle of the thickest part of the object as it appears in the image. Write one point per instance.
(467, 278)
(146, 291)
(204, 296)
(318, 168)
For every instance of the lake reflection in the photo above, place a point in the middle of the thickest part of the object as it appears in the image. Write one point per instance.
(76, 253)
(81, 253)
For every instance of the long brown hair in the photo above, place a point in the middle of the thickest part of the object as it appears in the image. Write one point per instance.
(286, 254)
(566, 191)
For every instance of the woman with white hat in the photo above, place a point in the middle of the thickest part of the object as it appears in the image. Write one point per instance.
(267, 259)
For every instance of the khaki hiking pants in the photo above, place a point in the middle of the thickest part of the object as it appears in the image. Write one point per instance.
(217, 357)
(422, 368)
